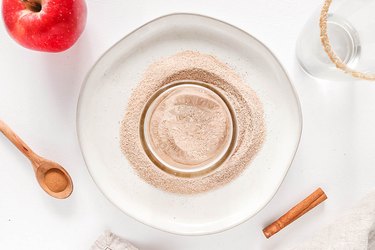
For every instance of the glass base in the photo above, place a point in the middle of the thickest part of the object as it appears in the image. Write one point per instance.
(345, 43)
(344, 39)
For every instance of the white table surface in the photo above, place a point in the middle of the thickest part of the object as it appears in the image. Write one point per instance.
(38, 98)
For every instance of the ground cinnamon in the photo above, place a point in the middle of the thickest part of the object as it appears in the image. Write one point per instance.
(56, 180)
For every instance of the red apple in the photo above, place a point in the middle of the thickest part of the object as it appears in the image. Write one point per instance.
(45, 25)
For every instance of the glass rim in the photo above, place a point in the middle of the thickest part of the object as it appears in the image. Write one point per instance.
(340, 64)
(195, 171)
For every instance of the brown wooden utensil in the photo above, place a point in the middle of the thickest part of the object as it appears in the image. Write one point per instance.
(52, 177)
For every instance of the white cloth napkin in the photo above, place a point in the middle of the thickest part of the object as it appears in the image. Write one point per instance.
(355, 230)
(110, 241)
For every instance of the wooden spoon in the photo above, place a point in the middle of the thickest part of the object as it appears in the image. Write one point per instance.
(52, 177)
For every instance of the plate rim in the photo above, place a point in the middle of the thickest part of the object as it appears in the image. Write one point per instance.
(200, 232)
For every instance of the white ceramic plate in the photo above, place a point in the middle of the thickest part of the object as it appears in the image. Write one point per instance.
(104, 98)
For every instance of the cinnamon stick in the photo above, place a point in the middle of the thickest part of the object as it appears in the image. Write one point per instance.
(314, 199)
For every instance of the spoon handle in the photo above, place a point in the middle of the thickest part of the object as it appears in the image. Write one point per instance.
(17, 141)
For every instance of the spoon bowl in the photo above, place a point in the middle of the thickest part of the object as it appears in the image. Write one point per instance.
(54, 179)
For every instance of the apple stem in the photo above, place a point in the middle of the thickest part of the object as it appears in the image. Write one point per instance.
(32, 5)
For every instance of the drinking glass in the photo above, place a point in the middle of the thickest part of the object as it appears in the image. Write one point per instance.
(339, 38)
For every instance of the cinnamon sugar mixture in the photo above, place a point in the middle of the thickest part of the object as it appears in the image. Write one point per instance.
(192, 125)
